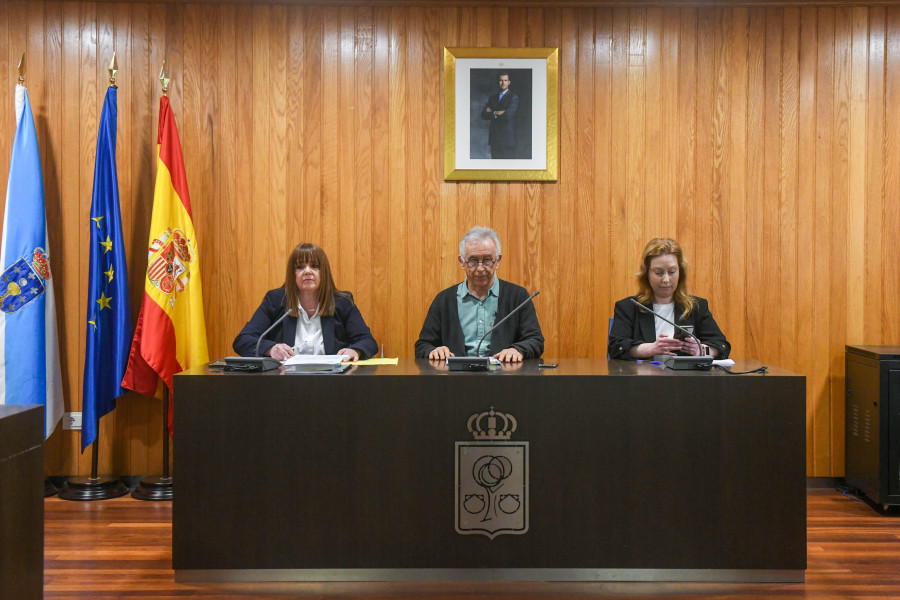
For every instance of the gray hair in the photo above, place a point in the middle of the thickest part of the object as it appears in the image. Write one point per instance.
(477, 234)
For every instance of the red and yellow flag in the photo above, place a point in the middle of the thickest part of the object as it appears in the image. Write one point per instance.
(171, 332)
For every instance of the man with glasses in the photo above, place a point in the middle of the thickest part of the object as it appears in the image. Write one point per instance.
(462, 314)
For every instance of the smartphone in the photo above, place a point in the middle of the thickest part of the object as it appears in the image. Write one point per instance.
(679, 334)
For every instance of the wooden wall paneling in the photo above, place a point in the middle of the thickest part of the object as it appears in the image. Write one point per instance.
(94, 19)
(113, 441)
(755, 160)
(868, 96)
(857, 210)
(106, 46)
(399, 150)
(772, 200)
(264, 227)
(636, 146)
(343, 215)
(363, 199)
(720, 206)
(699, 213)
(8, 69)
(281, 240)
(482, 192)
(621, 254)
(689, 138)
(314, 130)
(600, 175)
(572, 247)
(807, 277)
(585, 344)
(789, 210)
(441, 250)
(382, 267)
(839, 202)
(133, 411)
(767, 133)
(412, 259)
(432, 240)
(891, 190)
(817, 384)
(55, 197)
(553, 249)
(730, 314)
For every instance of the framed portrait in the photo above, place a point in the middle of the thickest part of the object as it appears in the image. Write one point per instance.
(501, 114)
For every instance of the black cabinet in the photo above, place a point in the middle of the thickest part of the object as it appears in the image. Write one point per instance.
(872, 438)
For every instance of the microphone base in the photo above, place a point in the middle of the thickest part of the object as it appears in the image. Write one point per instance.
(685, 363)
(250, 363)
(469, 363)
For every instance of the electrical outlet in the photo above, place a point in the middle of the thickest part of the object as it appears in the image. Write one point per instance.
(72, 421)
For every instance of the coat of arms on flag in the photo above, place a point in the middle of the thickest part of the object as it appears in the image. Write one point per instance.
(168, 257)
(22, 281)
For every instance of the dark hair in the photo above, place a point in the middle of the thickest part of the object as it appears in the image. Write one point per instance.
(502, 73)
(310, 254)
(658, 247)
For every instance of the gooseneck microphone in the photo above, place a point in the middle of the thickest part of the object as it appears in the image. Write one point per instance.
(266, 332)
(482, 363)
(679, 362)
(498, 323)
(256, 362)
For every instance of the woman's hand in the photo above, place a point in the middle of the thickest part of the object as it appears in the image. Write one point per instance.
(663, 345)
(690, 347)
(353, 354)
(280, 352)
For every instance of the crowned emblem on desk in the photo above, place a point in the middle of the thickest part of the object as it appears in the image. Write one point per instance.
(491, 478)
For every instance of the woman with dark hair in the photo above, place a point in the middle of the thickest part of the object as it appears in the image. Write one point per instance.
(662, 282)
(321, 319)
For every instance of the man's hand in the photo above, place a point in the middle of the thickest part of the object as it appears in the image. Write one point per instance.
(510, 355)
(440, 353)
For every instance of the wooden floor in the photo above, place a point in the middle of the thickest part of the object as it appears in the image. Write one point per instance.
(123, 549)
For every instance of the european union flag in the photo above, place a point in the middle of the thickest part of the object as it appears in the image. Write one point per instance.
(29, 350)
(108, 314)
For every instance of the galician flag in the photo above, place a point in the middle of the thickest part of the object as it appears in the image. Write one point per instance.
(29, 351)
(171, 334)
(108, 309)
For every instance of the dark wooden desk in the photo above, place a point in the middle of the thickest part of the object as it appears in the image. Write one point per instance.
(21, 502)
(636, 473)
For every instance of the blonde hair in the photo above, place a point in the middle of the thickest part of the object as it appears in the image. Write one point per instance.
(659, 247)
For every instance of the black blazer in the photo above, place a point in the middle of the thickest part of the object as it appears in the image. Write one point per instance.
(503, 128)
(345, 329)
(522, 331)
(632, 327)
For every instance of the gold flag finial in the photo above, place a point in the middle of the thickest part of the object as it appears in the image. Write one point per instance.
(113, 70)
(22, 70)
(164, 78)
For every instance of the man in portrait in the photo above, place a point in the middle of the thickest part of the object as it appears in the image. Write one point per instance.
(501, 111)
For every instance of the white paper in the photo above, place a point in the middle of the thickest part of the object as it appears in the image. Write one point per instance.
(725, 362)
(316, 359)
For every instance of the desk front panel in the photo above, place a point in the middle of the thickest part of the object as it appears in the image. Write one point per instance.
(630, 467)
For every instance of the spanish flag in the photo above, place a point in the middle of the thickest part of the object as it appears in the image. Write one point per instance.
(171, 334)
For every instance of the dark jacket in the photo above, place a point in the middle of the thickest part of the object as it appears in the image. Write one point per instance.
(503, 128)
(345, 329)
(632, 327)
(522, 331)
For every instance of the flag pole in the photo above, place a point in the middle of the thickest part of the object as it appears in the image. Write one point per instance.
(96, 487)
(159, 487)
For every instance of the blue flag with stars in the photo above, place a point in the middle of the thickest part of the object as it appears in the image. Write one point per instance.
(29, 347)
(108, 313)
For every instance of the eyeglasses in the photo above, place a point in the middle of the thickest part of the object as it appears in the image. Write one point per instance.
(487, 263)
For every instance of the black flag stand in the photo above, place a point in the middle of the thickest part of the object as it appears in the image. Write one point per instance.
(94, 487)
(158, 487)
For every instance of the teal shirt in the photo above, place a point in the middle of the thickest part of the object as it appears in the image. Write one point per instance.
(477, 316)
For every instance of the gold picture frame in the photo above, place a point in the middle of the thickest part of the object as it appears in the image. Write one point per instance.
(518, 140)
